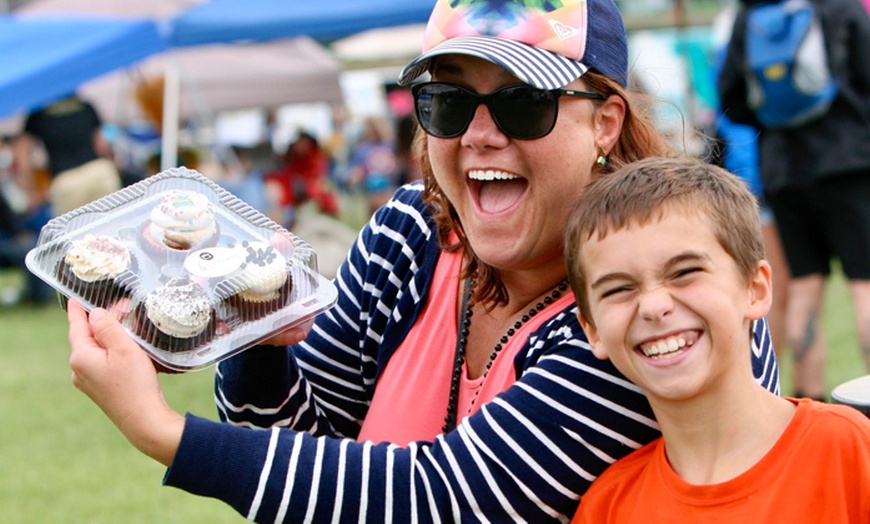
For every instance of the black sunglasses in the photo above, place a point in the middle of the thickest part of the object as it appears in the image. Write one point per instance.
(520, 111)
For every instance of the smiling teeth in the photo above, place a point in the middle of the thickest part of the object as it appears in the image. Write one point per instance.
(664, 347)
(490, 174)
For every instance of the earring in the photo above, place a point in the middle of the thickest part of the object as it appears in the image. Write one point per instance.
(602, 158)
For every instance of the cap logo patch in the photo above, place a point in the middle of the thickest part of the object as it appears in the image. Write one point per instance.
(563, 31)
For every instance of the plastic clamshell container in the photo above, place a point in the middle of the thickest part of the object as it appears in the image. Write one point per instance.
(189, 304)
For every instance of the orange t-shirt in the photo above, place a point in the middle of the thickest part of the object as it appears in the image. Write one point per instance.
(410, 401)
(818, 471)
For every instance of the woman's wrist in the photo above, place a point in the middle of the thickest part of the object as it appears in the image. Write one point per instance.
(162, 438)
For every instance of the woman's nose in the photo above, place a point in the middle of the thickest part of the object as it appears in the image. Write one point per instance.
(483, 131)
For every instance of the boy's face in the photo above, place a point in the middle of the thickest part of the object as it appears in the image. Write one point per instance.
(669, 306)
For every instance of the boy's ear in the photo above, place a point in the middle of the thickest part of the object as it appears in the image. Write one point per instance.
(760, 291)
(594, 341)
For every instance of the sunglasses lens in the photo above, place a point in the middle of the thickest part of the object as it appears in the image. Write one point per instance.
(524, 112)
(444, 110)
(520, 111)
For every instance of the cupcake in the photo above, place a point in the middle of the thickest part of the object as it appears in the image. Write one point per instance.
(263, 283)
(177, 316)
(183, 219)
(97, 269)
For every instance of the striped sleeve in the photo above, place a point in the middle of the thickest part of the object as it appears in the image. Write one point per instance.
(526, 456)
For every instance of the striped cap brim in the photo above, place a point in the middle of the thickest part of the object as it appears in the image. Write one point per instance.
(536, 67)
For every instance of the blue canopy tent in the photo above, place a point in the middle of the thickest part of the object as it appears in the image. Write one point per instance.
(235, 20)
(46, 58)
(69, 62)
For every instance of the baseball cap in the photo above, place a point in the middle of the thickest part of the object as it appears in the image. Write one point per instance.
(545, 44)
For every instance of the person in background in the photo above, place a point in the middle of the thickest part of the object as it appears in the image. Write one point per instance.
(19, 232)
(303, 176)
(816, 179)
(69, 129)
(737, 151)
(666, 259)
(373, 163)
(452, 380)
(407, 165)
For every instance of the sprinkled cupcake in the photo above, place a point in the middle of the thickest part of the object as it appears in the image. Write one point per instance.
(183, 219)
(263, 284)
(177, 316)
(98, 269)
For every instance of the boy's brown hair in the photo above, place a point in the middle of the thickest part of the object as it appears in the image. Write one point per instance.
(639, 192)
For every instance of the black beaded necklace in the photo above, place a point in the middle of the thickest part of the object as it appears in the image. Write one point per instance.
(462, 340)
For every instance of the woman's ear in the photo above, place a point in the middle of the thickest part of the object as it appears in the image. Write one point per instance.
(592, 336)
(760, 291)
(609, 116)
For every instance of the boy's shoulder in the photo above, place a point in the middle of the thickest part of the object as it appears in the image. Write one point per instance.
(836, 421)
(626, 471)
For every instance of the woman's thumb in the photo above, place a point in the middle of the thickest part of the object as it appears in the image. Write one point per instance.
(108, 331)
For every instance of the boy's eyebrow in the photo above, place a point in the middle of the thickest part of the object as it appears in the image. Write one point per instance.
(608, 278)
(686, 256)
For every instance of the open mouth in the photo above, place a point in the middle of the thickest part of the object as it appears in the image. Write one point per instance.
(496, 190)
(669, 346)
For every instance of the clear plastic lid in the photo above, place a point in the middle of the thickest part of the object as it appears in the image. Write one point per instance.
(194, 274)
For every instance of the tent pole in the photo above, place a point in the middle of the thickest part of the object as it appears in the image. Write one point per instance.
(171, 103)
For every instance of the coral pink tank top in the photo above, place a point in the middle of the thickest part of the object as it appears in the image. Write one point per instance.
(410, 400)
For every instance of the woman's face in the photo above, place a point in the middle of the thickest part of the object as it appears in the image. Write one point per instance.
(513, 196)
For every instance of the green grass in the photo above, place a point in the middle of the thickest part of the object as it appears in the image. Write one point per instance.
(62, 461)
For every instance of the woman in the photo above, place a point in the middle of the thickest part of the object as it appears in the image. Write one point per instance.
(374, 392)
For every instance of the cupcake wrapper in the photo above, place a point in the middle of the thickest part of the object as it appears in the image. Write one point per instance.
(248, 309)
(151, 334)
(102, 293)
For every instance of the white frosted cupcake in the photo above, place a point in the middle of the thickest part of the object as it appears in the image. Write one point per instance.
(263, 283)
(177, 316)
(98, 269)
(182, 220)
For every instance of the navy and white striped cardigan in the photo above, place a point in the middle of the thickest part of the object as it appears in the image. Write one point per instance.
(526, 456)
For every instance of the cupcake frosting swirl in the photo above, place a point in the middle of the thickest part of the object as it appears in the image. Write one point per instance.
(94, 258)
(263, 272)
(183, 217)
(179, 308)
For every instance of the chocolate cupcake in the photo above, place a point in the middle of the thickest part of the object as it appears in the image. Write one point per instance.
(182, 220)
(99, 269)
(177, 316)
(264, 281)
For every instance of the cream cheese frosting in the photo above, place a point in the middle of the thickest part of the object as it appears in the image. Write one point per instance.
(94, 258)
(182, 219)
(263, 272)
(180, 308)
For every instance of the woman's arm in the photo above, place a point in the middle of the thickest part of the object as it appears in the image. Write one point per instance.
(324, 385)
(111, 369)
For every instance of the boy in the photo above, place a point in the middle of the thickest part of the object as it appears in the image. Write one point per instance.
(666, 259)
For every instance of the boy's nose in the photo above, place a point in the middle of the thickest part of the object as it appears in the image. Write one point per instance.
(655, 304)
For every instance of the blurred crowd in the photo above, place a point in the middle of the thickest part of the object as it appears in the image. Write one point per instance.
(65, 156)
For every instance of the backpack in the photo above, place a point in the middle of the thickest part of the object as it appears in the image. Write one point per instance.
(789, 82)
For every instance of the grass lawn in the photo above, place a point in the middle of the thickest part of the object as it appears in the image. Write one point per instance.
(62, 461)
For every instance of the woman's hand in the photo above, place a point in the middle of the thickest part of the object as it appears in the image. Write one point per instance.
(291, 336)
(110, 368)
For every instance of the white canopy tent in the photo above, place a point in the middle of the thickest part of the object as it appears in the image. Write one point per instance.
(203, 80)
